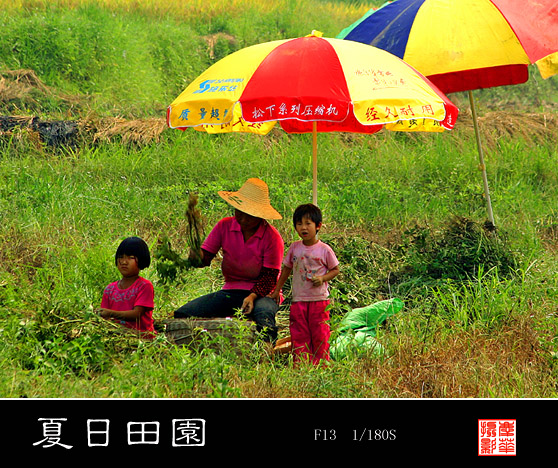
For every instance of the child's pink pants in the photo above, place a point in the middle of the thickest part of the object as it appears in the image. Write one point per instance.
(309, 329)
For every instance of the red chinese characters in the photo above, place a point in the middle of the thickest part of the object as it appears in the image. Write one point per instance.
(497, 437)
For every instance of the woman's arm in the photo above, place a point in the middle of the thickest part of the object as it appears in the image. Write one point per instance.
(264, 285)
(207, 257)
(265, 282)
(200, 259)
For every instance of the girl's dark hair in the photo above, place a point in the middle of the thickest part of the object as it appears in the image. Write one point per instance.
(308, 210)
(134, 246)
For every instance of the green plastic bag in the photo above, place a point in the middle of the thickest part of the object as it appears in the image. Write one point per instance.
(357, 330)
(353, 344)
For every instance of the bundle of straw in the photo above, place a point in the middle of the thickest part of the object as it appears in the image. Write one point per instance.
(171, 263)
(195, 231)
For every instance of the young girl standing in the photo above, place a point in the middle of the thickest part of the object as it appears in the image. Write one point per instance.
(130, 300)
(313, 264)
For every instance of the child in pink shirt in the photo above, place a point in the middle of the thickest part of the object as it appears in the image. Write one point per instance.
(130, 300)
(313, 264)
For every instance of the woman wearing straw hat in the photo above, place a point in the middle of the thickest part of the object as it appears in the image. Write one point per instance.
(252, 255)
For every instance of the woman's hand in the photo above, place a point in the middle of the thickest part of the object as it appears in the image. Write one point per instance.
(248, 304)
(201, 258)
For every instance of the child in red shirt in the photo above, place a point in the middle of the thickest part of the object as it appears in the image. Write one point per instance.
(130, 300)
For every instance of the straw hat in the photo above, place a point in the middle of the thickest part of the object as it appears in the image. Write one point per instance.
(253, 199)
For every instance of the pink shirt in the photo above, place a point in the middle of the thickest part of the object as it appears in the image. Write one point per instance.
(138, 294)
(308, 261)
(243, 261)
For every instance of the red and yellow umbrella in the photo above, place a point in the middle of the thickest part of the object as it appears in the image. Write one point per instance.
(462, 45)
(311, 84)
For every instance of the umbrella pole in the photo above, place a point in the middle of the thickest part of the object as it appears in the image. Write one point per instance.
(482, 166)
(315, 163)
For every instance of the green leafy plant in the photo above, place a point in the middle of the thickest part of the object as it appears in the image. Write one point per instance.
(458, 250)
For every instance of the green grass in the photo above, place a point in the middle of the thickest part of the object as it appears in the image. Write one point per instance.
(404, 214)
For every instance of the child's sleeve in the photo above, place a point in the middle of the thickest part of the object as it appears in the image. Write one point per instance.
(146, 296)
(105, 301)
(288, 260)
(331, 258)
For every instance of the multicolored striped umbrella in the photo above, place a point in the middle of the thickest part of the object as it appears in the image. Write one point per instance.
(461, 45)
(311, 84)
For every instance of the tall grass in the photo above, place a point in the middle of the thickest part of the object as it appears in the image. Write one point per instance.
(132, 58)
(404, 213)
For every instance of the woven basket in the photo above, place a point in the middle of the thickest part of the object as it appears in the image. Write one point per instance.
(283, 346)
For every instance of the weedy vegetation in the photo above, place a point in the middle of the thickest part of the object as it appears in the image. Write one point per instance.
(405, 214)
